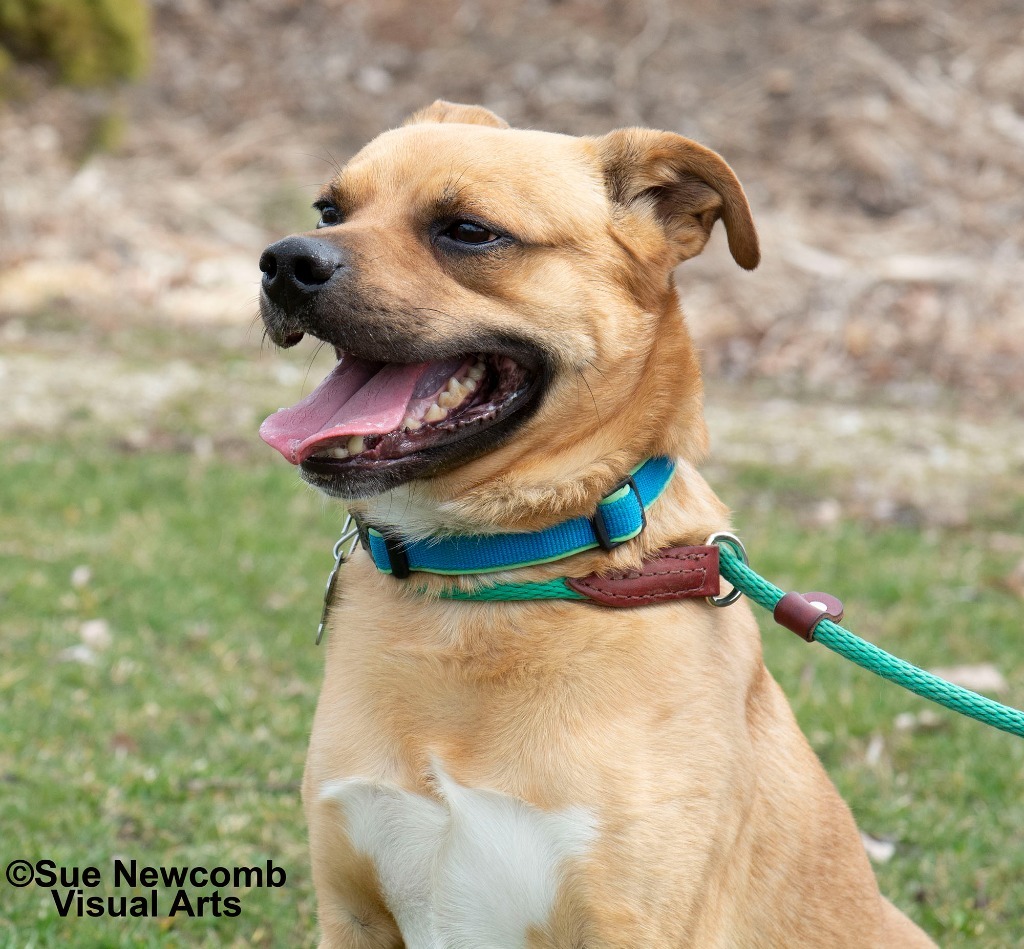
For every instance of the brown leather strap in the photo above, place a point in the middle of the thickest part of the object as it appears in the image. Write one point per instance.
(676, 573)
(801, 612)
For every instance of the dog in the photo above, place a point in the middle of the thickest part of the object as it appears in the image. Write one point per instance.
(538, 773)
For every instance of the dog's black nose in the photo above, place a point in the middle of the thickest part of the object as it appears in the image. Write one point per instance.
(295, 268)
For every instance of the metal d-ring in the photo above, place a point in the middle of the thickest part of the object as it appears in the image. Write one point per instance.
(731, 540)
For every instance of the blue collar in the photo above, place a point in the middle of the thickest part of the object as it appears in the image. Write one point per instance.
(620, 515)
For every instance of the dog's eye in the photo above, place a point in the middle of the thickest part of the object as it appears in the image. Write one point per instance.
(329, 215)
(468, 232)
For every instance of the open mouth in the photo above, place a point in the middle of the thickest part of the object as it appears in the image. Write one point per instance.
(372, 416)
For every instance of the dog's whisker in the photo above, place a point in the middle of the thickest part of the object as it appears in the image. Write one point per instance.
(327, 159)
(597, 410)
(309, 365)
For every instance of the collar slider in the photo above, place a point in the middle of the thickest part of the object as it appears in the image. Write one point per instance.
(597, 521)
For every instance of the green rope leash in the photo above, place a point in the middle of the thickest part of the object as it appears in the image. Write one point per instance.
(830, 634)
(876, 660)
(556, 589)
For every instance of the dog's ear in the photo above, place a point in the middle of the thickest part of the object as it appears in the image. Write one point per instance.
(688, 186)
(441, 111)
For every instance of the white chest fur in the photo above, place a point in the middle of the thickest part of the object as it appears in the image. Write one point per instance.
(473, 870)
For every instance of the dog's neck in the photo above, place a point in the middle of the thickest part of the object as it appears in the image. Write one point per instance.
(411, 511)
(619, 516)
(685, 512)
(490, 505)
(513, 492)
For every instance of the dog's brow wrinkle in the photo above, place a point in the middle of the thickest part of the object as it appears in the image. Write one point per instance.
(453, 183)
(453, 204)
(449, 205)
(453, 191)
(334, 193)
(448, 196)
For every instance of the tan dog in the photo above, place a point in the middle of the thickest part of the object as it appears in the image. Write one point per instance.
(539, 774)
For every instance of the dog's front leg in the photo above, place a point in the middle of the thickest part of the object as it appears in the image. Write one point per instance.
(350, 907)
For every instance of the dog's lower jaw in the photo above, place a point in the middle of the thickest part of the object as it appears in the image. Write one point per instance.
(550, 471)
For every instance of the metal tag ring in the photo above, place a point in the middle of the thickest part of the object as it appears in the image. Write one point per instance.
(346, 543)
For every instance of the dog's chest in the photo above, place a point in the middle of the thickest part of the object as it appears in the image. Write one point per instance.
(473, 868)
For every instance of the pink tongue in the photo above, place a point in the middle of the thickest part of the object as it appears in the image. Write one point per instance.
(357, 398)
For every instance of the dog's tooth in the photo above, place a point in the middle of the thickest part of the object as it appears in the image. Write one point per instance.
(338, 451)
(453, 396)
(476, 371)
(356, 444)
(410, 424)
(435, 413)
(454, 385)
(470, 384)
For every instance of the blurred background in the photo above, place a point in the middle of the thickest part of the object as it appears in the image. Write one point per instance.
(881, 144)
(160, 572)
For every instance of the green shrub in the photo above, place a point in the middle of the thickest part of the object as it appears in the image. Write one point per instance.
(89, 42)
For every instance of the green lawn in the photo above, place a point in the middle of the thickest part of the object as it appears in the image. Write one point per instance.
(181, 741)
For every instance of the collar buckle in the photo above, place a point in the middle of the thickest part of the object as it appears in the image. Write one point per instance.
(394, 546)
(599, 524)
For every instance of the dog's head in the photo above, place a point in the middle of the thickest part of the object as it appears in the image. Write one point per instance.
(502, 306)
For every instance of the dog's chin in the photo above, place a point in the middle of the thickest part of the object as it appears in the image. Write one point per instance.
(506, 395)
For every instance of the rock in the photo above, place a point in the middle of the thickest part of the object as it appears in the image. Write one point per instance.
(879, 851)
(95, 634)
(982, 677)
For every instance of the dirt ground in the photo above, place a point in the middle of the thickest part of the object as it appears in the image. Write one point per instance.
(881, 144)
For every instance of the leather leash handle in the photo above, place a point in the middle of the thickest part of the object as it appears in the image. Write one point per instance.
(676, 573)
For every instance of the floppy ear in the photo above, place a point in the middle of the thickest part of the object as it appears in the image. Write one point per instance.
(688, 186)
(441, 111)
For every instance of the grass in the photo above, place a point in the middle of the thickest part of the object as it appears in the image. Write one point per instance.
(181, 742)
